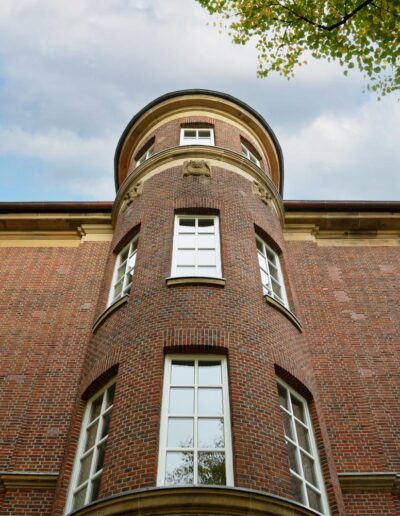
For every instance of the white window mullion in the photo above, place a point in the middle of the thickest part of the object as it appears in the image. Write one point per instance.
(196, 423)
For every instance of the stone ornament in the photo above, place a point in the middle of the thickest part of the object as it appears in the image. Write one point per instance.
(261, 192)
(198, 167)
(133, 192)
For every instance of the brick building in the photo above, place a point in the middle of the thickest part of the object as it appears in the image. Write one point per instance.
(199, 346)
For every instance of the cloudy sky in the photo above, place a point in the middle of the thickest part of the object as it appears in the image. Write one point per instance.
(73, 73)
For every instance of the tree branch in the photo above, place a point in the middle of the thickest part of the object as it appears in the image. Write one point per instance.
(335, 25)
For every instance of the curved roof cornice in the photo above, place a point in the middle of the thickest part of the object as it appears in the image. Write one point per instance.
(206, 93)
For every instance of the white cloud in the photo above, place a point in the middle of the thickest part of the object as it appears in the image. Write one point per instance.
(73, 73)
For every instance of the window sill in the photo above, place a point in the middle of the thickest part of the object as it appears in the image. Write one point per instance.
(285, 311)
(108, 311)
(195, 280)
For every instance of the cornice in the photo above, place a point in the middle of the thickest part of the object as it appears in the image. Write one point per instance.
(354, 226)
(374, 481)
(194, 500)
(28, 479)
(216, 156)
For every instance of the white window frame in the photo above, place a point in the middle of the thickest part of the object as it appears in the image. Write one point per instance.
(86, 423)
(246, 152)
(163, 448)
(266, 267)
(197, 140)
(177, 273)
(312, 454)
(145, 156)
(132, 251)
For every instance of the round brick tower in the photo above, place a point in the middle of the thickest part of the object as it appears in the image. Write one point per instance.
(198, 390)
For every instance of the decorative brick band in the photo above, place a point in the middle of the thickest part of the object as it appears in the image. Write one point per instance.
(28, 479)
(208, 338)
(195, 500)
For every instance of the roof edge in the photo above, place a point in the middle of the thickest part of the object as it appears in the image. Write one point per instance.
(301, 205)
(55, 206)
(183, 93)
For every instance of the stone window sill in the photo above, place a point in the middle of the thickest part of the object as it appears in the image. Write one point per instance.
(195, 280)
(285, 311)
(108, 311)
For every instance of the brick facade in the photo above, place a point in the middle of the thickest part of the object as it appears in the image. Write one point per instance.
(342, 355)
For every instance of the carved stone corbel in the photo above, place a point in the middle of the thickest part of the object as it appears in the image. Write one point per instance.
(198, 167)
(261, 192)
(133, 192)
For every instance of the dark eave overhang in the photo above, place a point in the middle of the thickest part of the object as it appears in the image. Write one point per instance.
(56, 207)
(183, 93)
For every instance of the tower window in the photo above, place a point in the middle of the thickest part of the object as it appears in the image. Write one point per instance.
(123, 271)
(85, 481)
(145, 156)
(271, 273)
(197, 136)
(246, 152)
(196, 250)
(195, 438)
(305, 470)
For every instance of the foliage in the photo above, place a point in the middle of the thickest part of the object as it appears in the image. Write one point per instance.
(358, 33)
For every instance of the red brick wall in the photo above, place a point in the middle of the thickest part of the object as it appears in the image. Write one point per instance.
(47, 305)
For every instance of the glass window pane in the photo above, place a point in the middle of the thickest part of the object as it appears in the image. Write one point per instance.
(308, 468)
(205, 241)
(282, 396)
(95, 488)
(298, 408)
(287, 423)
(209, 272)
(271, 256)
(206, 257)
(260, 246)
(180, 433)
(277, 289)
(186, 257)
(189, 133)
(84, 472)
(210, 433)
(132, 261)
(314, 499)
(79, 499)
(106, 424)
(110, 395)
(210, 402)
(182, 373)
(183, 270)
(261, 262)
(100, 456)
(96, 407)
(302, 436)
(204, 133)
(179, 468)
(297, 489)
(91, 435)
(292, 454)
(210, 373)
(186, 241)
(187, 224)
(211, 468)
(124, 255)
(181, 401)
(206, 225)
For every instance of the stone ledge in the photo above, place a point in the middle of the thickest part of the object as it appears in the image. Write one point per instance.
(374, 481)
(108, 311)
(28, 479)
(193, 280)
(185, 501)
(285, 311)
